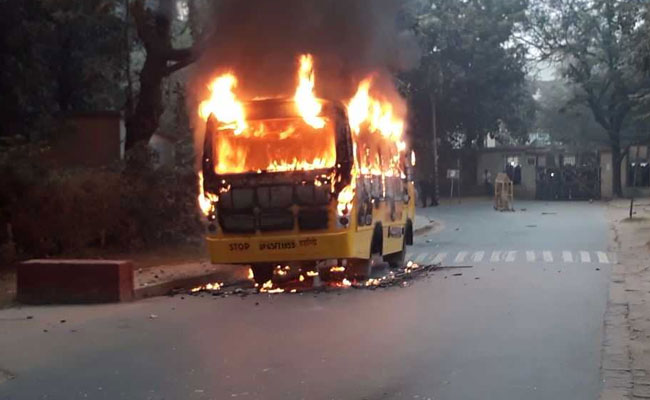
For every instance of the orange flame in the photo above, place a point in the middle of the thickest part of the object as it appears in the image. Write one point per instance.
(345, 200)
(378, 130)
(307, 103)
(304, 142)
(359, 106)
(206, 200)
(224, 104)
(378, 115)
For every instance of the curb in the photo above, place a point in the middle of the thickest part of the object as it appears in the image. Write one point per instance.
(178, 285)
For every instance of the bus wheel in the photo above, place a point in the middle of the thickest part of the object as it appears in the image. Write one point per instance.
(396, 260)
(262, 273)
(358, 269)
(408, 234)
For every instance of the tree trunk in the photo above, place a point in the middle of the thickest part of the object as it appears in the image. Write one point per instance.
(434, 124)
(617, 159)
(162, 59)
(144, 122)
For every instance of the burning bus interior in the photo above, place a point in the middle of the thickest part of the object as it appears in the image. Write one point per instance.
(327, 144)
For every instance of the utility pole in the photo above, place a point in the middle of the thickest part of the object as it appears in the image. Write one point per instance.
(434, 112)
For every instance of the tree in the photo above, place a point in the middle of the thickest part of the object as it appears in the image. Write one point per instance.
(471, 68)
(643, 63)
(566, 121)
(471, 81)
(592, 41)
(154, 28)
(57, 56)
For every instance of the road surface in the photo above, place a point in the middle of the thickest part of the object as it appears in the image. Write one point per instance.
(524, 323)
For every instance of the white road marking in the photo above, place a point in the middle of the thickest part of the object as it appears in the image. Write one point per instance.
(440, 257)
(548, 256)
(429, 259)
(511, 256)
(530, 256)
(420, 257)
(602, 257)
(460, 257)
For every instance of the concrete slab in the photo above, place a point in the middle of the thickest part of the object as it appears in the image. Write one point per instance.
(74, 281)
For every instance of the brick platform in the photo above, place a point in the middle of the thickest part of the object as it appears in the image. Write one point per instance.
(74, 281)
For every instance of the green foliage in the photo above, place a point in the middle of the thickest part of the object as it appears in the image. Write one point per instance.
(594, 41)
(472, 67)
(642, 55)
(129, 206)
(58, 55)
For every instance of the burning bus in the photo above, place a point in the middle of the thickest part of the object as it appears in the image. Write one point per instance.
(305, 181)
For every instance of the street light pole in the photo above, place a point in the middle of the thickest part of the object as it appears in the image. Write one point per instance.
(434, 112)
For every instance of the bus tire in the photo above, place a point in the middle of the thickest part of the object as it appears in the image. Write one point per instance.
(262, 272)
(358, 269)
(397, 260)
(408, 233)
(377, 243)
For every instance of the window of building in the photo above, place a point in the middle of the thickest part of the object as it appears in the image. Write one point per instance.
(569, 160)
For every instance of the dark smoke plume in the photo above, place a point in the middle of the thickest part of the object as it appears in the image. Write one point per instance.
(260, 40)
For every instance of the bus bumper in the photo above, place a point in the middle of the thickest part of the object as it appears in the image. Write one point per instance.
(292, 247)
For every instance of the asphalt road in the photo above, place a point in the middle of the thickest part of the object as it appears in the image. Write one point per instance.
(508, 328)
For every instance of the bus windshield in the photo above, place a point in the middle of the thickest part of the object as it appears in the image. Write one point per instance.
(274, 145)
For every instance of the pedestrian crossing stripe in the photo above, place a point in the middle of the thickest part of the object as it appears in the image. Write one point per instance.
(460, 257)
(547, 256)
(440, 257)
(602, 257)
(512, 256)
(530, 256)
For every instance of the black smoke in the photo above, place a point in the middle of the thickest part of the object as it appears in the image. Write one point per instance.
(260, 40)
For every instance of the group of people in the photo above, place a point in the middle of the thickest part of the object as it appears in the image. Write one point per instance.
(427, 192)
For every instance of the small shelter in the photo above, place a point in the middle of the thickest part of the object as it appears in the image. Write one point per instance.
(503, 193)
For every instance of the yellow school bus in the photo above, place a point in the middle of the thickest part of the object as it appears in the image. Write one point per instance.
(283, 192)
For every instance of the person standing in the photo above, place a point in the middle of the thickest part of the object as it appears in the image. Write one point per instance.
(424, 191)
(487, 181)
(432, 190)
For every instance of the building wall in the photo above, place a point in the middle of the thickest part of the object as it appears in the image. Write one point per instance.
(528, 187)
(495, 162)
(607, 180)
(631, 191)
